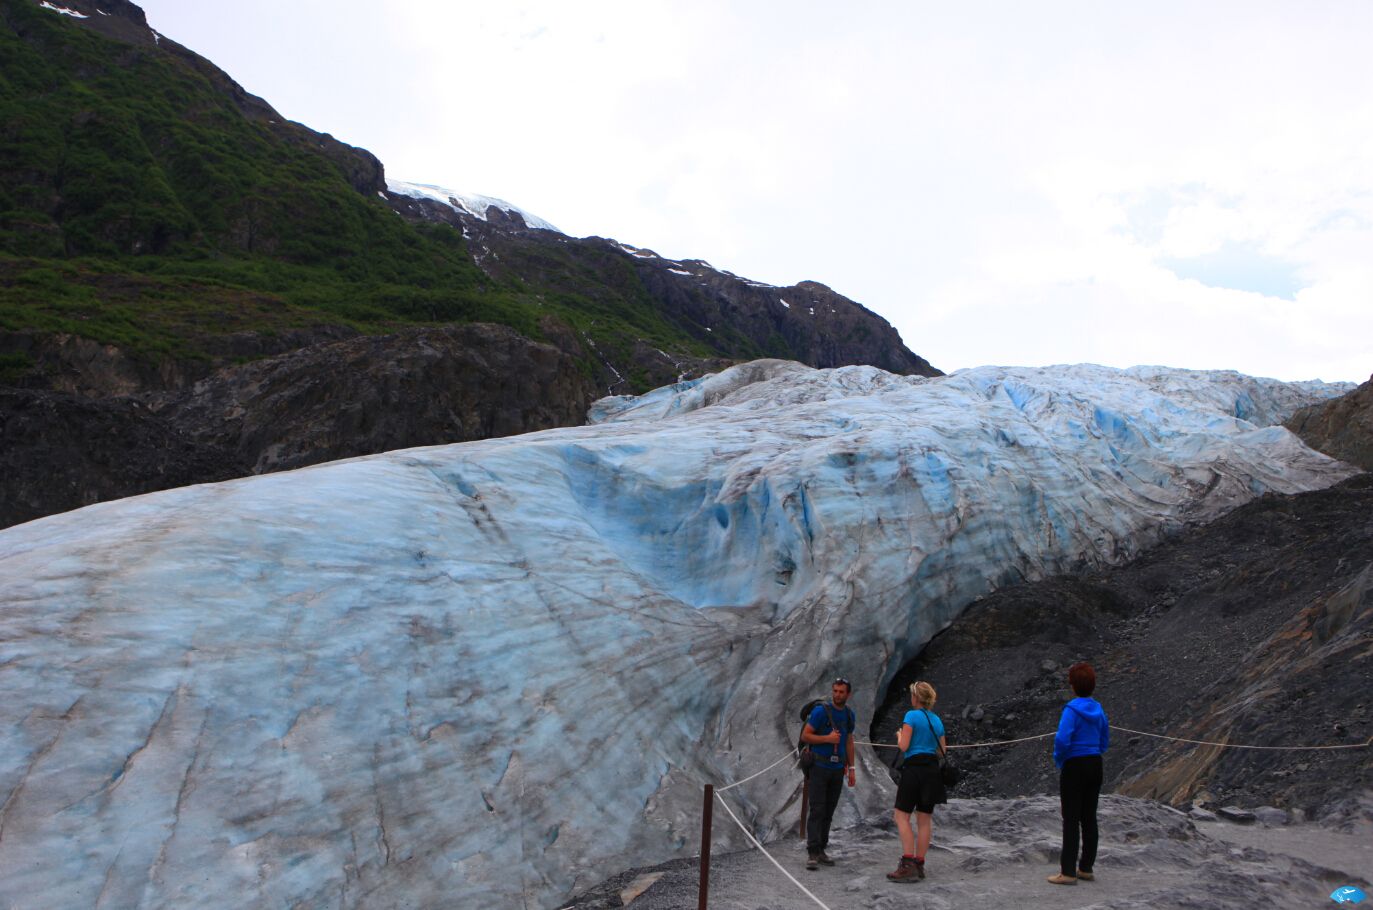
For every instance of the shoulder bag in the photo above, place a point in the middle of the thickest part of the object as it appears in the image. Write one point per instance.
(948, 773)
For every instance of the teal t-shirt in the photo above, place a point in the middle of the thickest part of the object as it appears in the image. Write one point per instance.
(923, 740)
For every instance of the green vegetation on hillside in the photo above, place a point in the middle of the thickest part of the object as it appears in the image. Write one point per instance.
(165, 306)
(140, 206)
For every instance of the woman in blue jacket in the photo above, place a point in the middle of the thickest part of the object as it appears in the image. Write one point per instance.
(1083, 735)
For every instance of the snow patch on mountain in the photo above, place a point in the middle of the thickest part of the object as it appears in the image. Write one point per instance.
(76, 14)
(503, 669)
(471, 203)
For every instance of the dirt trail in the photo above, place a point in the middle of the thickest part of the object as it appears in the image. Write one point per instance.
(997, 853)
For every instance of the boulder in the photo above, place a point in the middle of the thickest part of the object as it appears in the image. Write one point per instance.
(1236, 814)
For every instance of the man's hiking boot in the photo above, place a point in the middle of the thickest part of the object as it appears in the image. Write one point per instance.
(908, 870)
(813, 861)
(825, 859)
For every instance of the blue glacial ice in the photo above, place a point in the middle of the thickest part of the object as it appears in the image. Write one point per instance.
(475, 674)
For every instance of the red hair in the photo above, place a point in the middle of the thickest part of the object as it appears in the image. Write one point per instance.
(1082, 678)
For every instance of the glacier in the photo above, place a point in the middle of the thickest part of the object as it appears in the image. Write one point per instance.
(492, 674)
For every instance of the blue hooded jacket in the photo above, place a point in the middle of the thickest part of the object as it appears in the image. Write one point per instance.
(1083, 730)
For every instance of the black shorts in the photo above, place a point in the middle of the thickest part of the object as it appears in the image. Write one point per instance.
(921, 787)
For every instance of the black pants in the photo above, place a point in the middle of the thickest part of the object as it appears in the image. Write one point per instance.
(1079, 785)
(825, 786)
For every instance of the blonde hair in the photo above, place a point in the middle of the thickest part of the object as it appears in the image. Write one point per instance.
(924, 694)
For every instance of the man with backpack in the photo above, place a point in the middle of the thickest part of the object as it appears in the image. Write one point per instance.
(828, 734)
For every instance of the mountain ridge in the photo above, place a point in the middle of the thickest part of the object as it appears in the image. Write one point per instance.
(190, 189)
(162, 230)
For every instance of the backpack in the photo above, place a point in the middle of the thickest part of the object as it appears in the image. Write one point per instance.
(807, 758)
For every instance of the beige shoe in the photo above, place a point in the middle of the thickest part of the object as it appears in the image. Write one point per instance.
(1058, 878)
(1085, 876)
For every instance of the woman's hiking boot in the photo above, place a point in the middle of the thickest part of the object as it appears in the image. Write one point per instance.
(920, 867)
(1085, 876)
(813, 861)
(908, 870)
(825, 859)
(1058, 878)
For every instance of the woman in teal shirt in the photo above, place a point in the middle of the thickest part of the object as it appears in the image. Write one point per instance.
(920, 740)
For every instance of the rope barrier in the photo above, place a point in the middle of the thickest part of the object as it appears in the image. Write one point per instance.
(1202, 742)
(1003, 742)
(754, 841)
(1156, 736)
(764, 771)
(1000, 742)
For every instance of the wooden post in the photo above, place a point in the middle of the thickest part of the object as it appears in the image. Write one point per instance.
(805, 802)
(706, 809)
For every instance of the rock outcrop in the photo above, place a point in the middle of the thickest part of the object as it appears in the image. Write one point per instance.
(63, 362)
(375, 394)
(60, 451)
(331, 400)
(1342, 428)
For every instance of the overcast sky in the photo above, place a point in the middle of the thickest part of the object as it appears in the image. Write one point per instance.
(1018, 183)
